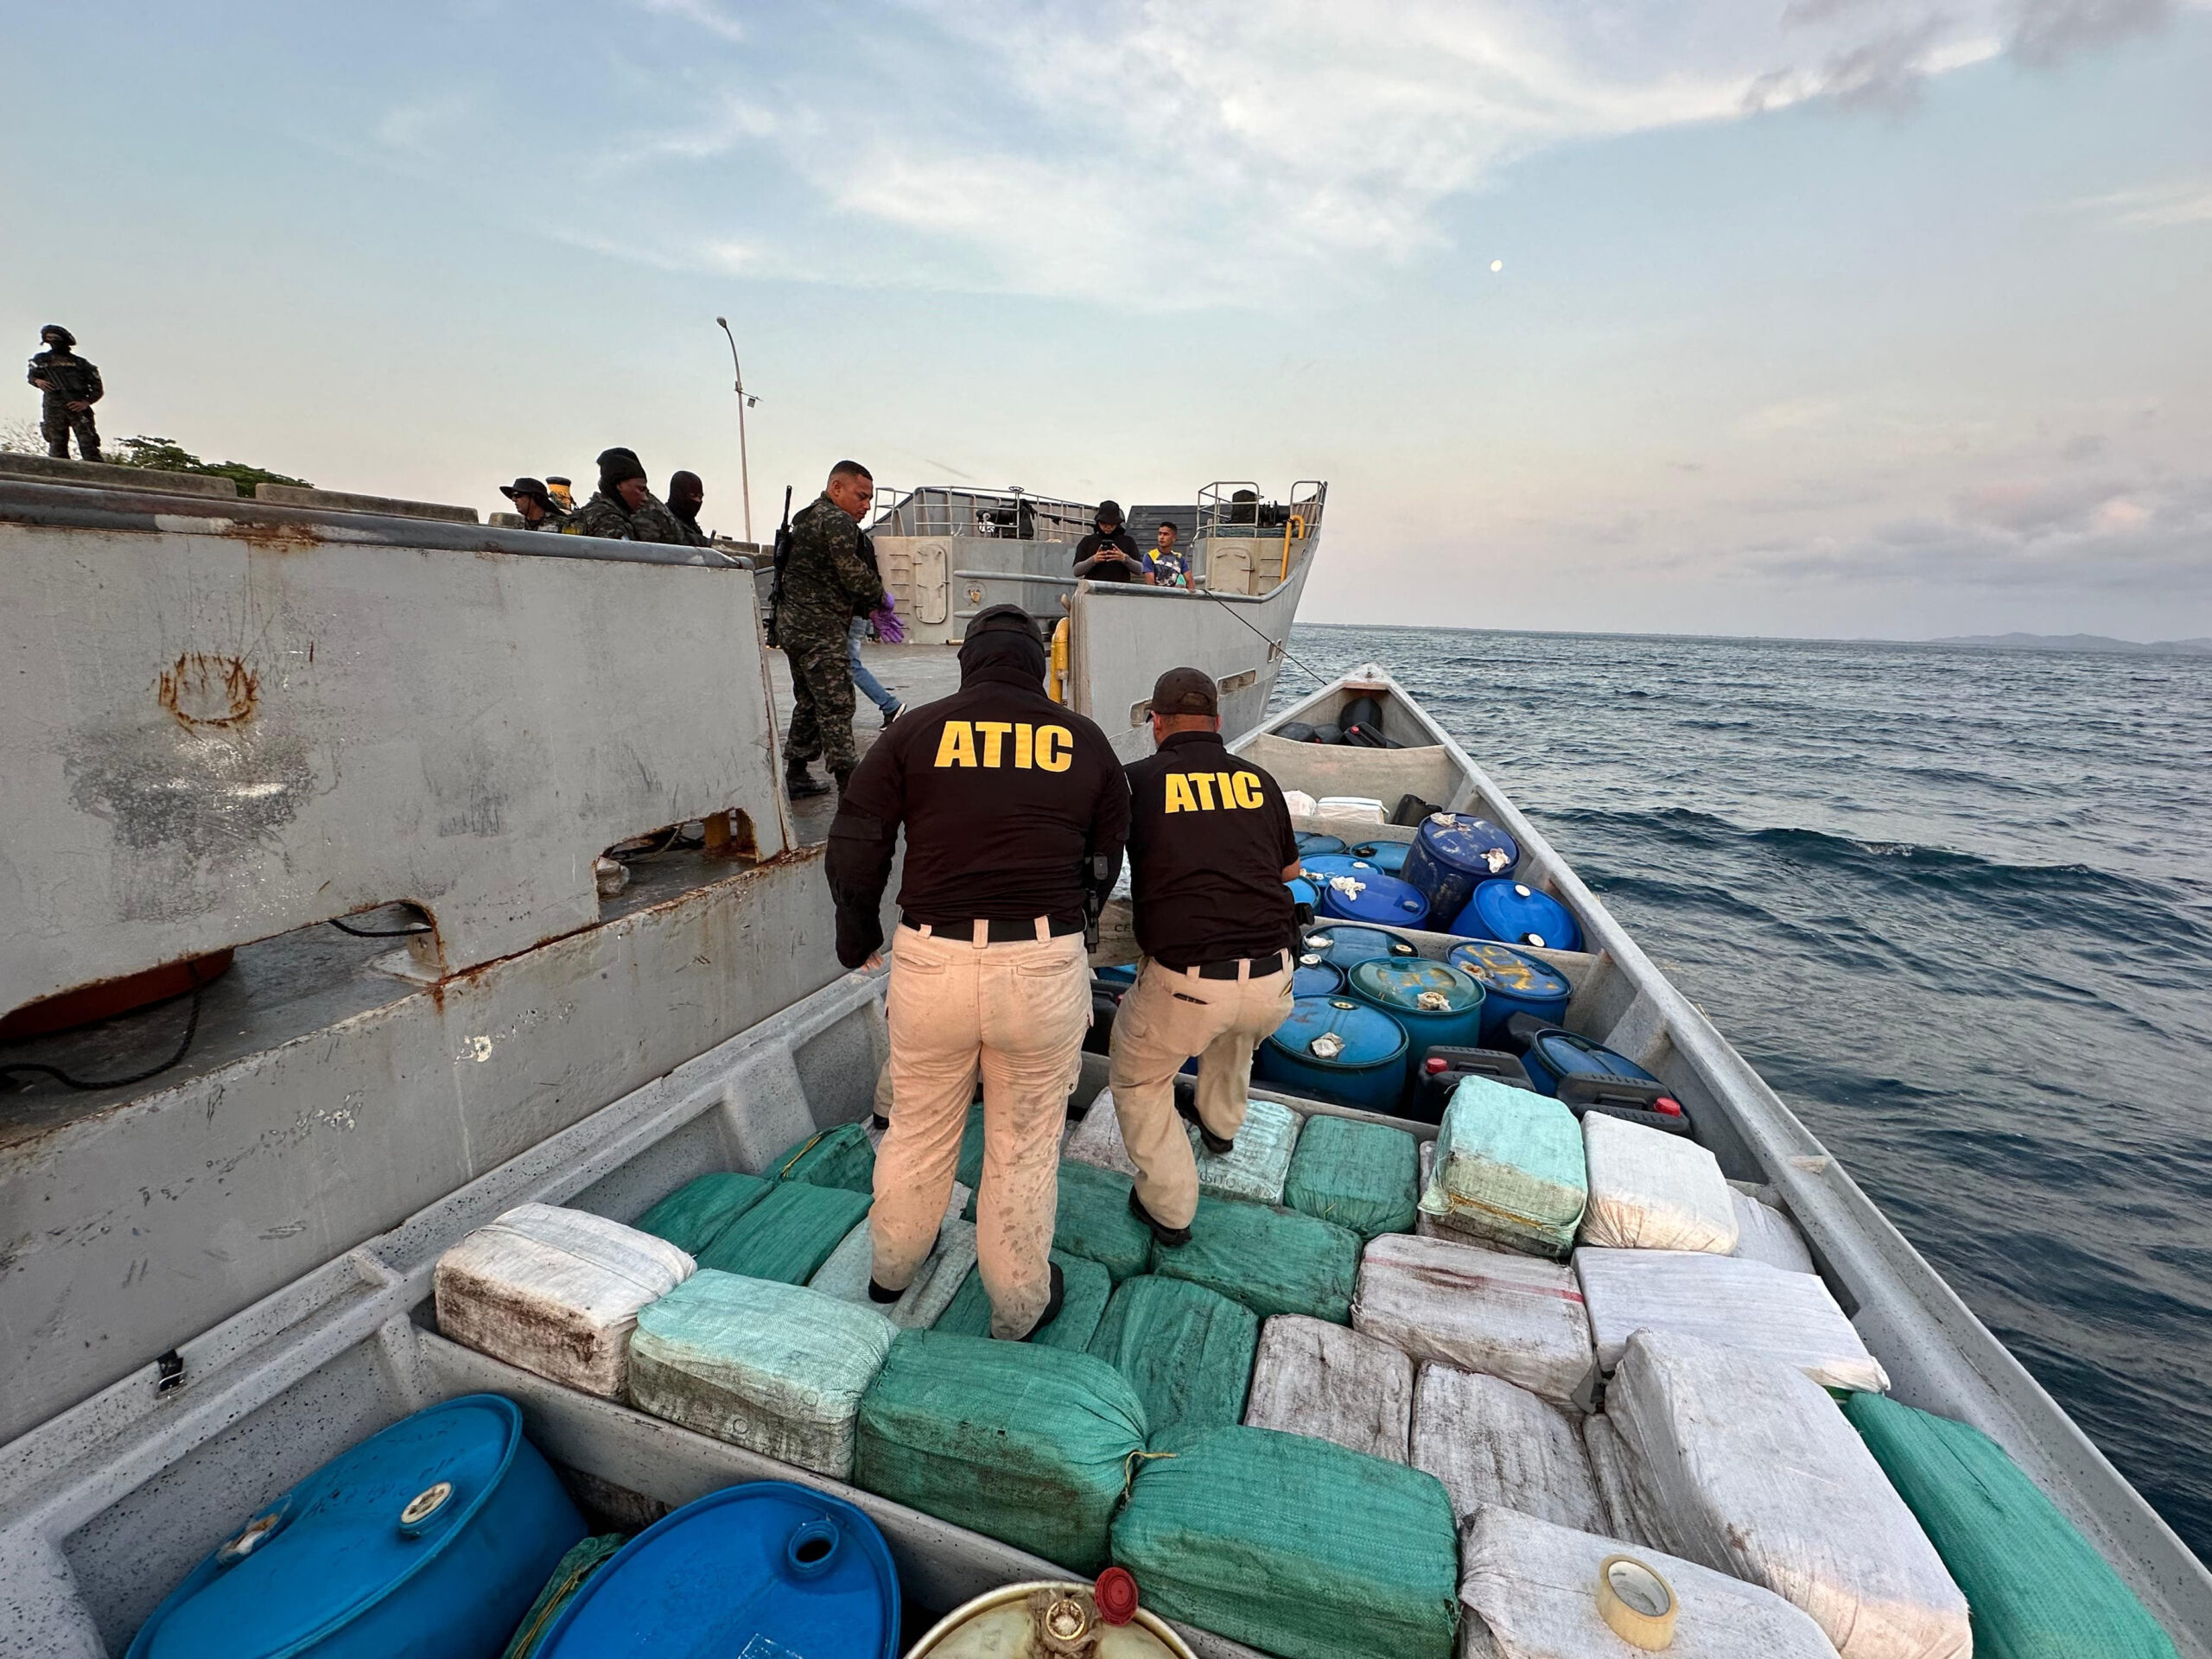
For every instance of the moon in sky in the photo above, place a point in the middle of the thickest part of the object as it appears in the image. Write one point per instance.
(1498, 264)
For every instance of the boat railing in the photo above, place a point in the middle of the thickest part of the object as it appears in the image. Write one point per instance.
(1010, 515)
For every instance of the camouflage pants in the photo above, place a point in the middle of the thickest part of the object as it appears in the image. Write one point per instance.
(57, 421)
(822, 693)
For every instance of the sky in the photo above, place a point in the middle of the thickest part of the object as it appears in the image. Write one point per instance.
(1804, 317)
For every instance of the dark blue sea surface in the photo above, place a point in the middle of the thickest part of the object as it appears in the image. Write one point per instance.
(1956, 906)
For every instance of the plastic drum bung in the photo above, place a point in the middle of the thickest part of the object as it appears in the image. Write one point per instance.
(1513, 982)
(1636, 1603)
(1345, 945)
(1387, 857)
(1338, 1049)
(1437, 1004)
(1452, 853)
(1102, 1621)
(1315, 976)
(431, 1538)
(768, 1568)
(1363, 896)
(1517, 913)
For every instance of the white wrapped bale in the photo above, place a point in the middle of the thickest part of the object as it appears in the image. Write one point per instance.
(1255, 1169)
(1531, 1586)
(1629, 1507)
(1490, 1442)
(1652, 1191)
(1757, 1473)
(846, 1273)
(1096, 1138)
(1492, 1311)
(556, 1292)
(1764, 1234)
(1311, 1377)
(1786, 1316)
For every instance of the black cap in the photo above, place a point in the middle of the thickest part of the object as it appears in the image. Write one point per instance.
(554, 478)
(1186, 691)
(55, 331)
(1108, 510)
(1003, 619)
(523, 486)
(617, 466)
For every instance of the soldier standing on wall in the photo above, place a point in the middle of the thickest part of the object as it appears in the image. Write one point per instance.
(624, 509)
(1015, 811)
(1211, 847)
(533, 504)
(828, 577)
(69, 387)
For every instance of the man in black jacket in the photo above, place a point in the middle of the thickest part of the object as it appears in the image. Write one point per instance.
(68, 387)
(1015, 810)
(1109, 552)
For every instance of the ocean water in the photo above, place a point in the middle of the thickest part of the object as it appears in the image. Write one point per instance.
(1956, 906)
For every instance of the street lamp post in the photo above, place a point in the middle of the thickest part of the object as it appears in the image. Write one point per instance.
(744, 467)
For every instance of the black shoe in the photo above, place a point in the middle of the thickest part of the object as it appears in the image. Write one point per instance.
(1188, 1111)
(1174, 1237)
(801, 785)
(844, 780)
(893, 712)
(877, 1293)
(1053, 1305)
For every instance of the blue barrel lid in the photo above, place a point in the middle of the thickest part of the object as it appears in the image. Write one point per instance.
(1498, 968)
(1315, 976)
(1463, 842)
(1303, 892)
(1417, 986)
(1124, 973)
(1351, 1037)
(770, 1568)
(1319, 866)
(1310, 841)
(1517, 913)
(1573, 1056)
(1370, 896)
(1346, 943)
(1387, 857)
(345, 1537)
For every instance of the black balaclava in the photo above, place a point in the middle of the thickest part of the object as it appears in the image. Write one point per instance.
(616, 466)
(1002, 644)
(683, 503)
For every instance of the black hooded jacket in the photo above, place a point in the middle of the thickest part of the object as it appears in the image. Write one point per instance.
(1005, 796)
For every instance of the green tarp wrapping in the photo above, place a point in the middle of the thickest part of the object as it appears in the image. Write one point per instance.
(1509, 1167)
(2037, 1589)
(1188, 1350)
(569, 1575)
(1272, 1261)
(1358, 1175)
(1095, 1221)
(1085, 1286)
(788, 1234)
(1030, 1445)
(776, 1368)
(693, 1216)
(839, 1156)
(1295, 1546)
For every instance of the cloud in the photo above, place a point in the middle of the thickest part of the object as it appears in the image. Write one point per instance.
(2045, 32)
(2153, 206)
(700, 13)
(422, 128)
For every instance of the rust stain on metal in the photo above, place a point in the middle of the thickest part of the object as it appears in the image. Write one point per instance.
(205, 692)
(278, 538)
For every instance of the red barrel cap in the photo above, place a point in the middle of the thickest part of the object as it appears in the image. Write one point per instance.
(1114, 1595)
(1436, 1063)
(1667, 1104)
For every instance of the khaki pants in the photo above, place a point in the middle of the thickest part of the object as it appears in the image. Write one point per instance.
(1167, 1018)
(1019, 1010)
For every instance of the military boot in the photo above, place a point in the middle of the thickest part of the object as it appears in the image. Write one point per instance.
(800, 784)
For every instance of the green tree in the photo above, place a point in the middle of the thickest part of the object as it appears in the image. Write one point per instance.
(167, 456)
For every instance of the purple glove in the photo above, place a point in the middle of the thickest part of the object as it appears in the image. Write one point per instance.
(885, 618)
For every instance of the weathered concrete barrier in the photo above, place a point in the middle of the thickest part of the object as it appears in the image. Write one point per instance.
(293, 495)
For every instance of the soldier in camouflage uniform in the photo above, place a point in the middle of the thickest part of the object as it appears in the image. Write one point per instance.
(534, 504)
(827, 580)
(69, 386)
(624, 509)
(687, 493)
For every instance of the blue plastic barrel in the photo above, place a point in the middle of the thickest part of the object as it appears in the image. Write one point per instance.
(1345, 945)
(431, 1539)
(1435, 1001)
(1315, 976)
(1452, 854)
(1317, 867)
(1374, 897)
(1339, 1049)
(1303, 892)
(1387, 857)
(1518, 915)
(1513, 982)
(1310, 841)
(1124, 973)
(770, 1568)
(1554, 1054)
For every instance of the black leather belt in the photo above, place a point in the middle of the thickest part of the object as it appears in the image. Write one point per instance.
(1234, 967)
(998, 931)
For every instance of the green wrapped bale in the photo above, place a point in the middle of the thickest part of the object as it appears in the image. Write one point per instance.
(1030, 1445)
(788, 1234)
(1095, 1221)
(1085, 1286)
(2037, 1588)
(1272, 1261)
(1358, 1175)
(841, 1157)
(1188, 1350)
(1509, 1168)
(1295, 1546)
(569, 1575)
(693, 1216)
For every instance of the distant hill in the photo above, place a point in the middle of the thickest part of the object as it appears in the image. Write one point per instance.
(2199, 647)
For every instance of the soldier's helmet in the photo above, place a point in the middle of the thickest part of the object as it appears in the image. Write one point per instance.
(58, 335)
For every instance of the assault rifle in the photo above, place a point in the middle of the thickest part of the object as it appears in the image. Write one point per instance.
(782, 552)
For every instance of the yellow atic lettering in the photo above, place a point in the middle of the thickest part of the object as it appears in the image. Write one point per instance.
(1247, 789)
(1025, 747)
(993, 732)
(1179, 798)
(1055, 748)
(1228, 792)
(955, 746)
(1204, 783)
